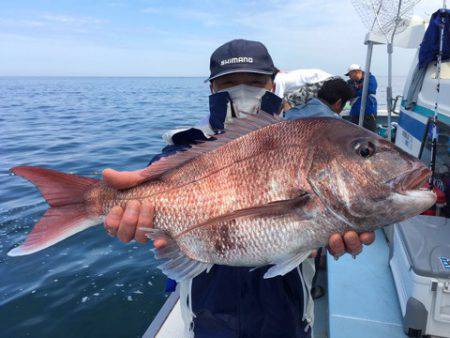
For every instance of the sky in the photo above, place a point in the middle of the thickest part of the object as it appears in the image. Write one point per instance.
(176, 38)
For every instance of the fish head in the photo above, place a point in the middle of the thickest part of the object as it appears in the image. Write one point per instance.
(366, 180)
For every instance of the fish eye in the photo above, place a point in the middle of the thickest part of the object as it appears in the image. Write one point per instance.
(365, 149)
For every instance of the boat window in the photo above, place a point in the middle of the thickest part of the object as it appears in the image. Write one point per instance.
(445, 71)
(442, 161)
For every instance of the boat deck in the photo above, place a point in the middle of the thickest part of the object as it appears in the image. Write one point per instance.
(362, 298)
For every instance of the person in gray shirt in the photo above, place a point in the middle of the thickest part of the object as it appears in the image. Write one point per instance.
(330, 101)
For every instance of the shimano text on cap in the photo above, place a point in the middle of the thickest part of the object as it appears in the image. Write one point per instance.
(241, 56)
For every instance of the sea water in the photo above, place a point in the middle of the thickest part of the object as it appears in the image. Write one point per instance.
(90, 285)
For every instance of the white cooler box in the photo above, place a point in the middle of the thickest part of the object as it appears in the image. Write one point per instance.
(420, 264)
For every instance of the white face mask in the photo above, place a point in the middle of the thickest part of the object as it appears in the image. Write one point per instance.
(246, 99)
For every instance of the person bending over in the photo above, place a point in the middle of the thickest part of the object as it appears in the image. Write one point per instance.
(330, 101)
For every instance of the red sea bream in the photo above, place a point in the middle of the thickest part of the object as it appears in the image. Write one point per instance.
(265, 192)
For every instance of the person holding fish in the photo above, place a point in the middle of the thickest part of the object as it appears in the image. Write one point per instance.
(237, 205)
(234, 301)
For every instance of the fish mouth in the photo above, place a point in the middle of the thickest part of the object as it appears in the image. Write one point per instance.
(411, 180)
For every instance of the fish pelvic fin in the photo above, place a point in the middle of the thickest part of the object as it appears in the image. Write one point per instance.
(273, 208)
(237, 128)
(286, 264)
(68, 214)
(176, 265)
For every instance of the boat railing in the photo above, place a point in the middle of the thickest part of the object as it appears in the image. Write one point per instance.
(158, 322)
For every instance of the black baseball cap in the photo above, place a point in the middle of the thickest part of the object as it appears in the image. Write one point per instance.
(241, 56)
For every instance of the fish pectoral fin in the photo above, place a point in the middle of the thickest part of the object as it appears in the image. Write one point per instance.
(272, 208)
(177, 265)
(286, 264)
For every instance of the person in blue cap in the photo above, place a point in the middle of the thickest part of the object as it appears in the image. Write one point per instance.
(233, 301)
(356, 75)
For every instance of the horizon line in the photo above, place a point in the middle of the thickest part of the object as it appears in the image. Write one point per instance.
(137, 76)
(141, 76)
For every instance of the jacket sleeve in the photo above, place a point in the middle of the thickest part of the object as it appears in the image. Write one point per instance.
(167, 151)
(372, 85)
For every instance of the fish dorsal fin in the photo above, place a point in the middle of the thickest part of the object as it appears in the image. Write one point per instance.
(273, 208)
(237, 128)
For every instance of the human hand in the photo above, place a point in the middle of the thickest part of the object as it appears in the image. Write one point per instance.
(122, 223)
(349, 242)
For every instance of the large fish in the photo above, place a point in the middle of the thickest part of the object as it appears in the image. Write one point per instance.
(266, 192)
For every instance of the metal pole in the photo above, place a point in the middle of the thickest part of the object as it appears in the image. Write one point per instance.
(390, 50)
(366, 82)
(389, 91)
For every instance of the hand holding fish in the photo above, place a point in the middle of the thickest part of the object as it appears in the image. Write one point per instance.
(125, 224)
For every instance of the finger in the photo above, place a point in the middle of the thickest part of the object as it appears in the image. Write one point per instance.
(145, 221)
(352, 243)
(127, 227)
(159, 243)
(123, 179)
(112, 220)
(336, 245)
(367, 238)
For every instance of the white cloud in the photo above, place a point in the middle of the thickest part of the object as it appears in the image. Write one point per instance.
(21, 23)
(320, 33)
(177, 38)
(151, 10)
(73, 20)
(207, 19)
(78, 57)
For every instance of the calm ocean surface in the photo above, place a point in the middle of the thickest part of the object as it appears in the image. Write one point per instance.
(90, 285)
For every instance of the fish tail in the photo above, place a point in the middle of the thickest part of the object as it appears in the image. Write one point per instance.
(68, 213)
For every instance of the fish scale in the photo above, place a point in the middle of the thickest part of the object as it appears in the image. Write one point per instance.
(261, 240)
(187, 204)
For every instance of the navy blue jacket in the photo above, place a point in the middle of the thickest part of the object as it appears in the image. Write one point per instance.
(233, 302)
(371, 104)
